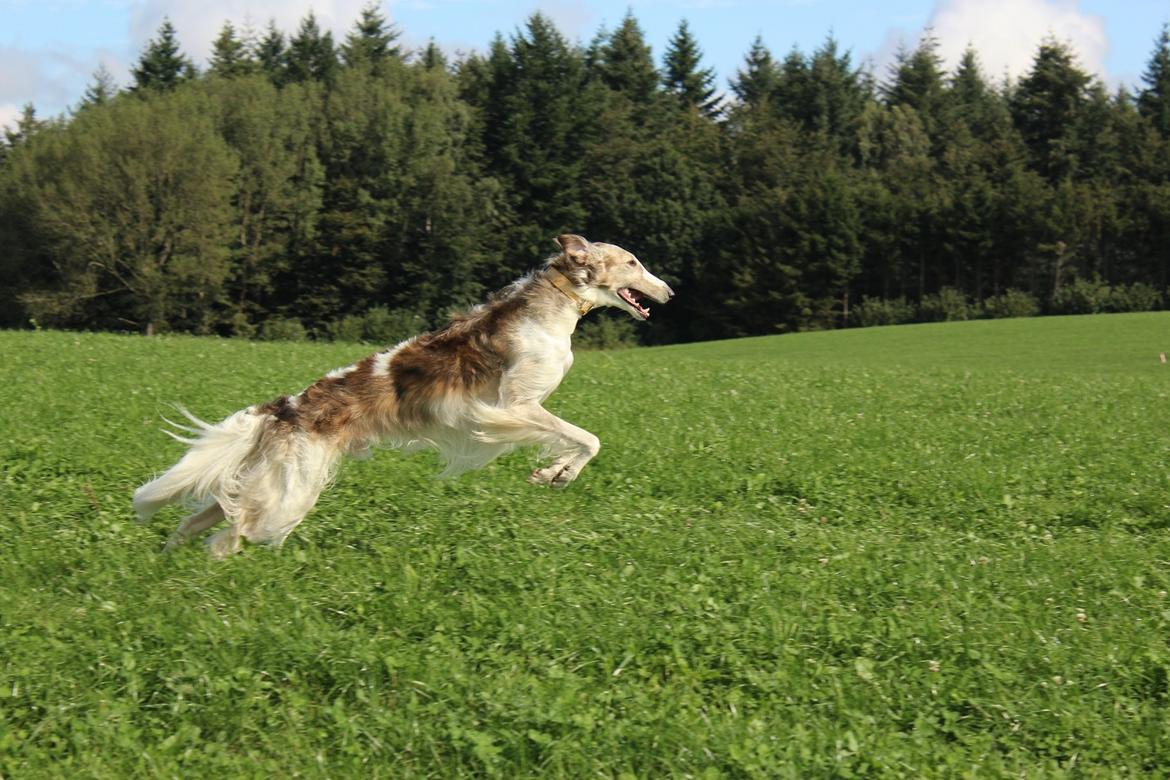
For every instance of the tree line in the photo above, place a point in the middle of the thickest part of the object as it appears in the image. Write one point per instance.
(300, 185)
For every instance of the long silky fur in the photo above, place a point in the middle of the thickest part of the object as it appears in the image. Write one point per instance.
(472, 391)
(211, 470)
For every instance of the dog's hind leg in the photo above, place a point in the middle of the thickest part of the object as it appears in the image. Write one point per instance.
(196, 524)
(266, 523)
(278, 494)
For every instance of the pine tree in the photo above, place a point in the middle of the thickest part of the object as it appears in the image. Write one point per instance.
(311, 53)
(539, 117)
(483, 82)
(272, 56)
(1154, 101)
(229, 55)
(918, 82)
(623, 61)
(967, 86)
(756, 82)
(824, 94)
(971, 100)
(370, 41)
(27, 125)
(694, 87)
(793, 90)
(101, 90)
(982, 150)
(162, 66)
(432, 57)
(1047, 105)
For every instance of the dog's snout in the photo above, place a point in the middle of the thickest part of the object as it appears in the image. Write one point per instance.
(669, 292)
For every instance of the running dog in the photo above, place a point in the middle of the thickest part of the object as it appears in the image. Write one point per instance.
(472, 390)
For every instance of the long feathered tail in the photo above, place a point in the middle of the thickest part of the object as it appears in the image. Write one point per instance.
(211, 469)
(263, 477)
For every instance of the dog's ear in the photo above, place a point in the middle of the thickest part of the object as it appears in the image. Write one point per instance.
(575, 247)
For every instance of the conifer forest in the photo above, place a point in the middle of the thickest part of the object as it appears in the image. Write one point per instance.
(299, 186)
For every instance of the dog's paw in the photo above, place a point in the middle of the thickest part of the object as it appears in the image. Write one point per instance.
(562, 480)
(224, 544)
(555, 476)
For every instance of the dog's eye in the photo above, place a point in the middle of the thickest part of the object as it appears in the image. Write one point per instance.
(632, 263)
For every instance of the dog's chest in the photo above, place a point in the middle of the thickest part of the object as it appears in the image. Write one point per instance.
(545, 359)
(553, 364)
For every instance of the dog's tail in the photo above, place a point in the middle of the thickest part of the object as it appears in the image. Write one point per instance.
(211, 469)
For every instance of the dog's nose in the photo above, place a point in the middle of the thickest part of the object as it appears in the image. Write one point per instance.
(669, 292)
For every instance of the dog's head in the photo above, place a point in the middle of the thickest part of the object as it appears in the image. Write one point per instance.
(610, 276)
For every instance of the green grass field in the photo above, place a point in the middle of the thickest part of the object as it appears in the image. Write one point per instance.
(931, 551)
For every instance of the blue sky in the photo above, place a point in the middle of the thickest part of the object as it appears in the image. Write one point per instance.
(50, 48)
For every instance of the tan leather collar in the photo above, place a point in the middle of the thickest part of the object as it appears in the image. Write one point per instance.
(565, 285)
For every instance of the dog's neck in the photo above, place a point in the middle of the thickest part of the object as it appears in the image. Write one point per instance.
(567, 288)
(551, 305)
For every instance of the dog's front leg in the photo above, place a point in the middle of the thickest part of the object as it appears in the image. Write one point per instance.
(577, 447)
(530, 423)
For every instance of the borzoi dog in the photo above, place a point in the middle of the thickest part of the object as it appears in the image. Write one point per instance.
(472, 391)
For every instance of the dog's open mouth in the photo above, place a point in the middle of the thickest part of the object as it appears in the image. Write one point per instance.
(634, 298)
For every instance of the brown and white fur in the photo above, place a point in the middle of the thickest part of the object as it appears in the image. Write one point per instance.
(472, 391)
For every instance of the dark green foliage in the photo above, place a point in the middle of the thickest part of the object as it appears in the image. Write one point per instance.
(947, 305)
(162, 66)
(101, 90)
(272, 54)
(311, 55)
(1138, 296)
(692, 86)
(1082, 296)
(27, 126)
(432, 57)
(1011, 303)
(882, 311)
(918, 83)
(539, 113)
(623, 62)
(229, 55)
(826, 95)
(281, 329)
(608, 330)
(1047, 107)
(1154, 99)
(371, 41)
(358, 178)
(1089, 296)
(277, 190)
(379, 325)
(130, 248)
(757, 81)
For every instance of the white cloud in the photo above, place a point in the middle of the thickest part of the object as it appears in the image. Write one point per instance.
(38, 75)
(9, 114)
(1006, 33)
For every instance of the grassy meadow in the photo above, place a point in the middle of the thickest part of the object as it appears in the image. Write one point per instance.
(921, 551)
